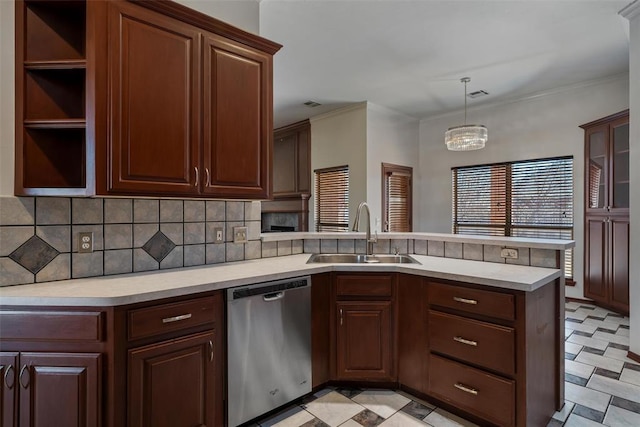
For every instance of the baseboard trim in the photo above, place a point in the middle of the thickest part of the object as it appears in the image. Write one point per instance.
(635, 357)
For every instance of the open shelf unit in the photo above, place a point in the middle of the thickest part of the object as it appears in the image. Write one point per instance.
(51, 76)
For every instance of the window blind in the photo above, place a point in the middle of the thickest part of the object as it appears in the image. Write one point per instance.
(521, 199)
(398, 210)
(332, 199)
(397, 197)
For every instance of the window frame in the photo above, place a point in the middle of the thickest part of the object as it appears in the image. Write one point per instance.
(507, 193)
(388, 169)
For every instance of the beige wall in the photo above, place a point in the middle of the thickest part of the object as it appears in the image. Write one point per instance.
(392, 137)
(340, 138)
(542, 126)
(7, 96)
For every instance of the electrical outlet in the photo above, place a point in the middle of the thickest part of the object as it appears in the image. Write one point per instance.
(240, 234)
(509, 253)
(85, 242)
(218, 235)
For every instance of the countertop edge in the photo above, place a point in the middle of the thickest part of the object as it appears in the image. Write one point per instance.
(243, 274)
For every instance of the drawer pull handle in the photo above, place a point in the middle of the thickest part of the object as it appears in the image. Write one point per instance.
(210, 351)
(6, 377)
(25, 369)
(465, 341)
(465, 300)
(176, 318)
(466, 389)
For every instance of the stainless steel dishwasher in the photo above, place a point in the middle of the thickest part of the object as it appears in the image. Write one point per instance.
(268, 346)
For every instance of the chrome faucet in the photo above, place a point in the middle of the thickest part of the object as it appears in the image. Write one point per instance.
(356, 225)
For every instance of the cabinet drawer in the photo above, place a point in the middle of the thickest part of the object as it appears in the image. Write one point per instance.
(473, 390)
(488, 303)
(364, 285)
(481, 343)
(150, 321)
(52, 325)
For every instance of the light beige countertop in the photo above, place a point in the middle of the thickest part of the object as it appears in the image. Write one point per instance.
(138, 287)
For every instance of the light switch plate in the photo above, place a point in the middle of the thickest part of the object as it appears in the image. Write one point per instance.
(240, 234)
(509, 253)
(218, 235)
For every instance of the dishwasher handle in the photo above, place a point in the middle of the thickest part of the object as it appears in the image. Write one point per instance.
(275, 296)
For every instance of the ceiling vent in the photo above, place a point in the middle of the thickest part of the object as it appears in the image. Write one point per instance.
(312, 104)
(477, 94)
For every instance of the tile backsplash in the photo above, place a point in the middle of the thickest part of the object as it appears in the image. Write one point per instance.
(39, 235)
(39, 238)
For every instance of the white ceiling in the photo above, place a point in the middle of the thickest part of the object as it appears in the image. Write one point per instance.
(409, 55)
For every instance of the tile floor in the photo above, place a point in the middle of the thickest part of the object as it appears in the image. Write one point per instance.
(602, 387)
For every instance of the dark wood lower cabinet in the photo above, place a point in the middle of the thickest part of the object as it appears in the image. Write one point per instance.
(8, 388)
(51, 389)
(172, 383)
(412, 332)
(364, 340)
(606, 278)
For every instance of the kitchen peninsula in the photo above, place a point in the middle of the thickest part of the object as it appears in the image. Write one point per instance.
(95, 329)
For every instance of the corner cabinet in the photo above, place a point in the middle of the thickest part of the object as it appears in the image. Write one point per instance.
(607, 190)
(154, 99)
(364, 327)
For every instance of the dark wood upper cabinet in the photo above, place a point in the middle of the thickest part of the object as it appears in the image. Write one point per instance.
(140, 98)
(607, 165)
(237, 119)
(154, 68)
(606, 274)
(292, 160)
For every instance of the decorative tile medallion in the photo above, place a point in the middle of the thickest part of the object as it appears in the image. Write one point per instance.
(34, 254)
(159, 246)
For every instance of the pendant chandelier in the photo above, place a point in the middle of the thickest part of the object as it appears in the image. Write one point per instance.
(466, 137)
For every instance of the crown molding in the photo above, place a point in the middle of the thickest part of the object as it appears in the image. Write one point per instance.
(631, 11)
(339, 111)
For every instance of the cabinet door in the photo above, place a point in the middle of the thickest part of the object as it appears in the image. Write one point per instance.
(154, 65)
(412, 332)
(8, 394)
(60, 389)
(597, 169)
(304, 161)
(619, 264)
(364, 341)
(284, 164)
(172, 384)
(595, 263)
(237, 140)
(619, 165)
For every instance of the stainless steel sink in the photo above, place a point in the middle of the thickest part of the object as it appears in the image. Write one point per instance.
(361, 259)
